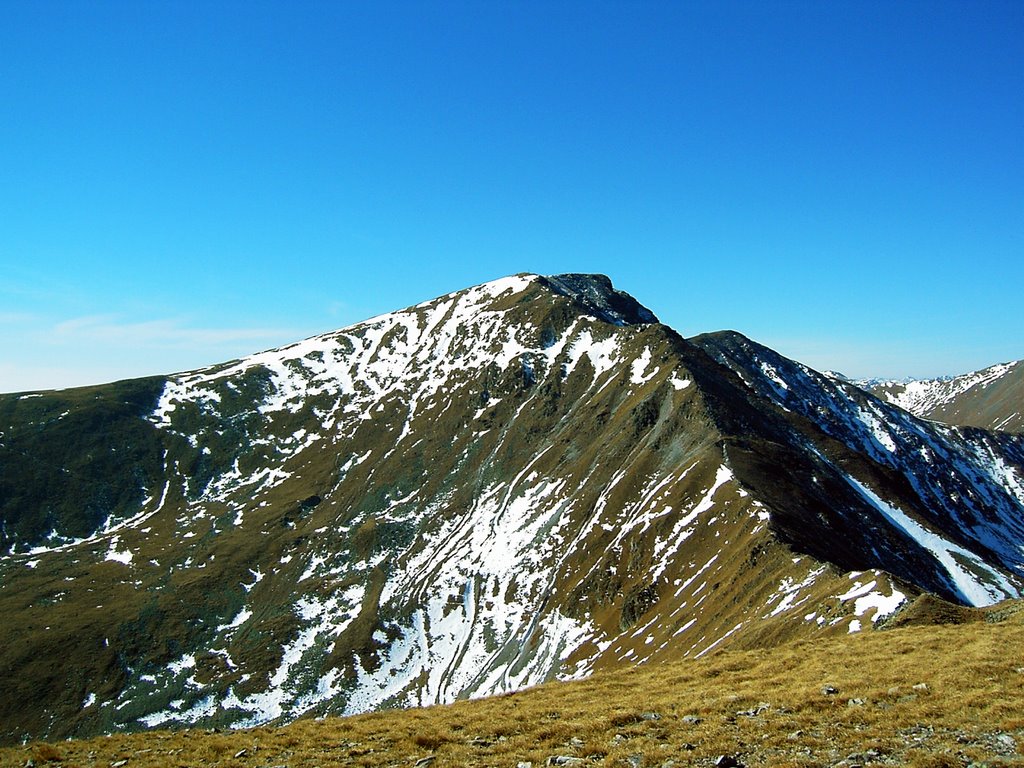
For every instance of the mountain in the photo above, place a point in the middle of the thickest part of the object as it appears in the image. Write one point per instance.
(527, 480)
(992, 398)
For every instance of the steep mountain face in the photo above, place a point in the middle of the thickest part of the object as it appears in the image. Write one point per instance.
(526, 480)
(952, 495)
(992, 398)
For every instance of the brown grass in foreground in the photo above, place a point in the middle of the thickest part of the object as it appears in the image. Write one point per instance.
(920, 696)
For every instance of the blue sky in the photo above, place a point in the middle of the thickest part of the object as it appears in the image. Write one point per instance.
(186, 182)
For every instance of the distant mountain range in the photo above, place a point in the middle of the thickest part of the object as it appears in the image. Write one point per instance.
(992, 398)
(526, 480)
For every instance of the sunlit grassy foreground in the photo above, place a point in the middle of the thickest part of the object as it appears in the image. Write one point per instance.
(920, 695)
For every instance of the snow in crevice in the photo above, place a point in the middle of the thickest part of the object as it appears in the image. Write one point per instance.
(679, 384)
(118, 556)
(665, 548)
(866, 596)
(640, 368)
(788, 595)
(719, 641)
(603, 355)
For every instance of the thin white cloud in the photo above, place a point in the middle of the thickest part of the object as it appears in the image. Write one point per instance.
(17, 318)
(108, 329)
(37, 354)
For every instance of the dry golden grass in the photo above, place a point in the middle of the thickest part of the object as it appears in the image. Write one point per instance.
(929, 697)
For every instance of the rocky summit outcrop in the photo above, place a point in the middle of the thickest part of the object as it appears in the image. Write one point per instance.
(523, 481)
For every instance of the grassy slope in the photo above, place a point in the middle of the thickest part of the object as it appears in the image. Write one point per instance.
(72, 458)
(933, 695)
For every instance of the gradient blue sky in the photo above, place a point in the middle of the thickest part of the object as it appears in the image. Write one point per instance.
(185, 182)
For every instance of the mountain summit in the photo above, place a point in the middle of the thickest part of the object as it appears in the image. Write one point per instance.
(596, 295)
(526, 480)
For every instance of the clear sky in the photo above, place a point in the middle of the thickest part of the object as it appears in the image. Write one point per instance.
(183, 183)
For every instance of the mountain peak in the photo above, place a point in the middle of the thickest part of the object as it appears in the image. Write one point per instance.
(598, 297)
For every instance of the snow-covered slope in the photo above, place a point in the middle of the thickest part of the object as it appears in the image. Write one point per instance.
(963, 487)
(526, 480)
(992, 398)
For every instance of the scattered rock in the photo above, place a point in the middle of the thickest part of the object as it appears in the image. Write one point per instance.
(565, 760)
(764, 706)
(524, 764)
(795, 736)
(241, 753)
(576, 742)
(691, 720)
(922, 687)
(829, 690)
(855, 703)
(425, 761)
(1005, 742)
(650, 716)
(118, 764)
(866, 756)
(635, 760)
(728, 761)
(918, 733)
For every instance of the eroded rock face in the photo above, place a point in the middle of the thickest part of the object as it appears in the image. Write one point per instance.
(526, 480)
(595, 295)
